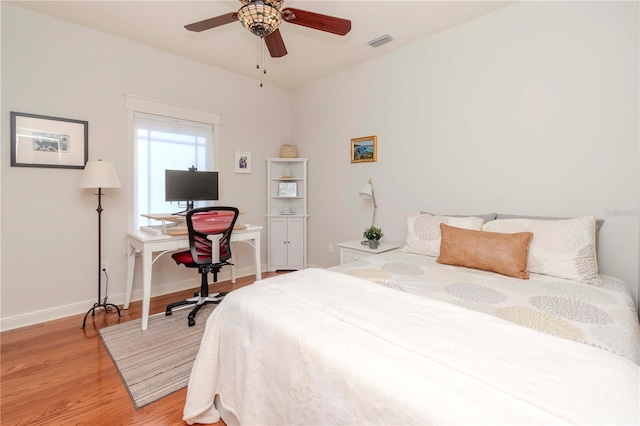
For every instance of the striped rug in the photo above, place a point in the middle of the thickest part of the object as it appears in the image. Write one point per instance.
(158, 361)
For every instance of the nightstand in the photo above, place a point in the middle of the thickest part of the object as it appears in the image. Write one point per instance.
(355, 250)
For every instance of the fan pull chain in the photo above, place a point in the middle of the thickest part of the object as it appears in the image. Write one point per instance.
(260, 58)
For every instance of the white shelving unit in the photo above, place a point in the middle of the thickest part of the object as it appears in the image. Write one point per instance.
(287, 213)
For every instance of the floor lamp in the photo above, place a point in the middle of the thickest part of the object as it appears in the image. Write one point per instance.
(367, 193)
(99, 174)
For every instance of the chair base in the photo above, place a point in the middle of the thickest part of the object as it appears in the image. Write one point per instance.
(199, 302)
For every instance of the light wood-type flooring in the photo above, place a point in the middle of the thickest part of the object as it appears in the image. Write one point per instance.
(56, 373)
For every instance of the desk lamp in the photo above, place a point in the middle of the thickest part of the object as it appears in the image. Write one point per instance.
(367, 193)
(99, 174)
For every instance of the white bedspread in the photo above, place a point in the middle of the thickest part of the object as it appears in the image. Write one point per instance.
(319, 347)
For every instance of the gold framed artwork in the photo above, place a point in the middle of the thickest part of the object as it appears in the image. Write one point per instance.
(364, 150)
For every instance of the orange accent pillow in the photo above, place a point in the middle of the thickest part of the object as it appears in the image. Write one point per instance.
(505, 254)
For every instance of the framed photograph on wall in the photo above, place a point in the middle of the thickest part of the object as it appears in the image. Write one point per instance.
(41, 141)
(364, 150)
(287, 189)
(243, 162)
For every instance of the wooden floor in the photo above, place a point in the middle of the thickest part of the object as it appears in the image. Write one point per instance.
(56, 373)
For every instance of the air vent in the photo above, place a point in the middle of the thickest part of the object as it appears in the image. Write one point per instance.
(383, 39)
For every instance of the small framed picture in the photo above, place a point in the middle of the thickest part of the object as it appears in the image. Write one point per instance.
(287, 189)
(243, 162)
(364, 150)
(41, 141)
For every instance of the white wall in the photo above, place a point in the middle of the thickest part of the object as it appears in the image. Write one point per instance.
(49, 225)
(532, 109)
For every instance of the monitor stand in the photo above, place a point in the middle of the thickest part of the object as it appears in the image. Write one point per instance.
(184, 212)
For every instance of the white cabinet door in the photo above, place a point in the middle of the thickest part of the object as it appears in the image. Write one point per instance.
(295, 242)
(277, 243)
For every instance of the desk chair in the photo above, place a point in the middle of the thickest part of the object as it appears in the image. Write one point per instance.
(209, 250)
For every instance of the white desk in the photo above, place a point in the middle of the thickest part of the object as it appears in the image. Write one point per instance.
(147, 245)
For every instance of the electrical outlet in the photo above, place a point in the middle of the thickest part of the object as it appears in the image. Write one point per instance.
(330, 247)
(104, 266)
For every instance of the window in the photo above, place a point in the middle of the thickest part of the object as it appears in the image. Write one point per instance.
(166, 136)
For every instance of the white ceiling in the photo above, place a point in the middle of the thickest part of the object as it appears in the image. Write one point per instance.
(312, 54)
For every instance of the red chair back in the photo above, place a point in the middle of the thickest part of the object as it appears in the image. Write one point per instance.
(207, 221)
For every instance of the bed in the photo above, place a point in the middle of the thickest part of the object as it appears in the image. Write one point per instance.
(402, 338)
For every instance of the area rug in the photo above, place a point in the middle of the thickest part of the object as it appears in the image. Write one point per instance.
(156, 362)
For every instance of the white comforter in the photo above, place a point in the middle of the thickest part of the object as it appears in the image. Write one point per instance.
(319, 347)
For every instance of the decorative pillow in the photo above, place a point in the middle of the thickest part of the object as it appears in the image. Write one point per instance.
(560, 248)
(486, 217)
(423, 231)
(505, 254)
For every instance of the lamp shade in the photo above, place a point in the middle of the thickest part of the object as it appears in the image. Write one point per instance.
(366, 191)
(99, 174)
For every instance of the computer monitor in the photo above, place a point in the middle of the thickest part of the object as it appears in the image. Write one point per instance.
(190, 185)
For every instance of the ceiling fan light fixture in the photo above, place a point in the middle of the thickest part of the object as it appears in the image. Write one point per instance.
(260, 18)
(274, 3)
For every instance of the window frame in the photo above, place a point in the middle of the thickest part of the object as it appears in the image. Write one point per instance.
(136, 104)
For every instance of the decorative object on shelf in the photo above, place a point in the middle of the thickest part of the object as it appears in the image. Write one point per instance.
(287, 189)
(41, 141)
(373, 235)
(100, 174)
(287, 173)
(288, 151)
(364, 150)
(243, 162)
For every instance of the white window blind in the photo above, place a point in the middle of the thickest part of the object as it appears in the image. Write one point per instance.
(162, 142)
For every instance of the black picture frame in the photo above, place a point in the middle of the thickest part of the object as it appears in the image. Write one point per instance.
(53, 142)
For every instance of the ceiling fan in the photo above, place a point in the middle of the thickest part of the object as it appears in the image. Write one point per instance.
(263, 18)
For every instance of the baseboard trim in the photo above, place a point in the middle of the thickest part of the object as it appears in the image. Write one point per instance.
(59, 312)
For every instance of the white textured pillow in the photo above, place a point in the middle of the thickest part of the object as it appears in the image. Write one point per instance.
(423, 231)
(560, 248)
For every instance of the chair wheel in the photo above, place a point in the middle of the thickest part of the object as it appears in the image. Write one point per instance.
(196, 294)
(192, 322)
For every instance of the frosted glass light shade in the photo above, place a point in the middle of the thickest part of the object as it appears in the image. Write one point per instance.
(99, 174)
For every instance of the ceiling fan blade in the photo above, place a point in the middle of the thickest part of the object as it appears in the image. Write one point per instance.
(317, 21)
(275, 44)
(212, 22)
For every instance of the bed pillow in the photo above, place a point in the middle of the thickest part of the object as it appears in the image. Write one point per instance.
(561, 248)
(423, 231)
(486, 217)
(505, 254)
(599, 222)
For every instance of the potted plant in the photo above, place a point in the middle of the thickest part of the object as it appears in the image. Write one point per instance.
(373, 234)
